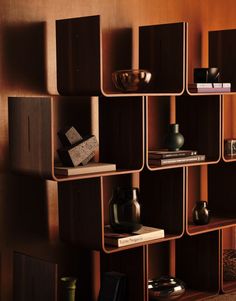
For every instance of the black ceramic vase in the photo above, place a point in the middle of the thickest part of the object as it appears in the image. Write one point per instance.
(201, 214)
(124, 210)
(174, 139)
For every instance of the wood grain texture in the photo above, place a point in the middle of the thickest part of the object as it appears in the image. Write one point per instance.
(78, 56)
(157, 43)
(122, 132)
(34, 279)
(78, 223)
(134, 270)
(158, 203)
(30, 123)
(201, 128)
(198, 263)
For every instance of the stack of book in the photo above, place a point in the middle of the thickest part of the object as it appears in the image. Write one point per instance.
(165, 157)
(209, 87)
(124, 239)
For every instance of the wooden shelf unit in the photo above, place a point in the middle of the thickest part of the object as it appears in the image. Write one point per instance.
(191, 253)
(203, 183)
(35, 122)
(77, 197)
(87, 54)
(188, 259)
(199, 119)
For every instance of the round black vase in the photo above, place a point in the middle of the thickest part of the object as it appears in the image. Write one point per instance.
(201, 214)
(174, 139)
(124, 210)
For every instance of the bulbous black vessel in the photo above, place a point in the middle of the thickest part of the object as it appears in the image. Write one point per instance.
(124, 210)
(201, 214)
(174, 139)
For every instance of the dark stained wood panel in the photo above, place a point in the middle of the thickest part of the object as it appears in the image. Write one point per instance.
(34, 279)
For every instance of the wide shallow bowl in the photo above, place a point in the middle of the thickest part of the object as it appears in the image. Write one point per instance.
(131, 80)
(165, 288)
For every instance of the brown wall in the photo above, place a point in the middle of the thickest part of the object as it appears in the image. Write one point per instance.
(28, 207)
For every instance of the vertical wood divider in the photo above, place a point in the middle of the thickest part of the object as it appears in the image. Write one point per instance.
(172, 260)
(172, 109)
(203, 182)
(95, 259)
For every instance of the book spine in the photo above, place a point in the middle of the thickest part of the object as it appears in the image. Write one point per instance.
(172, 155)
(125, 241)
(210, 90)
(139, 238)
(183, 160)
(163, 162)
(210, 85)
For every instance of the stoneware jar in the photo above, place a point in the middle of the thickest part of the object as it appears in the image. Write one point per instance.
(174, 139)
(201, 214)
(124, 210)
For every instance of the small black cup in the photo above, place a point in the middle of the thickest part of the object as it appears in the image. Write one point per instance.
(206, 75)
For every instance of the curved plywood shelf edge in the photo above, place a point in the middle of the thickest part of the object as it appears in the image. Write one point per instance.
(168, 237)
(216, 223)
(35, 121)
(86, 70)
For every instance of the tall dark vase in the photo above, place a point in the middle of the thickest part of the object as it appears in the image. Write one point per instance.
(174, 139)
(68, 285)
(124, 210)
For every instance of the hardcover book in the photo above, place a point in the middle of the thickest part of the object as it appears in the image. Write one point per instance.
(163, 153)
(210, 87)
(81, 170)
(180, 160)
(124, 239)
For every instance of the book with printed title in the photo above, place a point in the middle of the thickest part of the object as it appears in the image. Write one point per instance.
(164, 153)
(210, 87)
(124, 239)
(177, 160)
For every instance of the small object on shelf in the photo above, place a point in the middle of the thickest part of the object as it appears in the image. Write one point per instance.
(113, 287)
(124, 239)
(81, 170)
(209, 87)
(86, 161)
(124, 209)
(200, 213)
(206, 75)
(174, 139)
(165, 288)
(177, 160)
(69, 136)
(229, 264)
(131, 80)
(230, 147)
(74, 155)
(68, 285)
(164, 153)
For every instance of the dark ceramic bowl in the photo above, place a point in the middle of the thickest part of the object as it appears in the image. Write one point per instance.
(165, 288)
(131, 80)
(206, 75)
